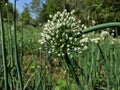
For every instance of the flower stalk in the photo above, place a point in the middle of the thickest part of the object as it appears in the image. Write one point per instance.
(3, 50)
(99, 27)
(72, 71)
(15, 50)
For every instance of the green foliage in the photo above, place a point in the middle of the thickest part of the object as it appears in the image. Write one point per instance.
(103, 10)
(62, 85)
(99, 10)
(30, 39)
(50, 7)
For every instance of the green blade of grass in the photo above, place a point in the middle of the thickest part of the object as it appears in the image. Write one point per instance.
(106, 66)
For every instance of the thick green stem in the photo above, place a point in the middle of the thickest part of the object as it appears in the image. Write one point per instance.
(99, 27)
(3, 50)
(72, 71)
(15, 51)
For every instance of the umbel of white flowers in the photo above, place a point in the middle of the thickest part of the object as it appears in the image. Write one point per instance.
(59, 32)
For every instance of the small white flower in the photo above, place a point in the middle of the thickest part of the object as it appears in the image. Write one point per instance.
(68, 45)
(58, 25)
(64, 11)
(73, 11)
(66, 36)
(40, 48)
(57, 36)
(93, 22)
(42, 34)
(48, 21)
(63, 23)
(68, 53)
(83, 25)
(75, 49)
(61, 40)
(113, 30)
(58, 13)
(39, 41)
(65, 20)
(63, 34)
(63, 54)
(112, 43)
(82, 44)
(95, 40)
(83, 35)
(48, 37)
(78, 33)
(84, 40)
(42, 42)
(104, 34)
(79, 21)
(54, 18)
(59, 54)
(70, 38)
(52, 34)
(85, 48)
(49, 51)
(73, 25)
(78, 48)
(57, 31)
(62, 45)
(75, 39)
(112, 34)
(38, 66)
(68, 49)
(80, 52)
(53, 50)
(50, 16)
(71, 56)
(53, 46)
(51, 41)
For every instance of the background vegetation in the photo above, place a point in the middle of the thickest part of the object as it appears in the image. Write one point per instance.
(27, 65)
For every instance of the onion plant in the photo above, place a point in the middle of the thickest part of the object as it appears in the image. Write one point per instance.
(15, 50)
(58, 36)
(3, 48)
(65, 38)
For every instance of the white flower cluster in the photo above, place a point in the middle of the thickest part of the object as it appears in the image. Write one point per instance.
(59, 32)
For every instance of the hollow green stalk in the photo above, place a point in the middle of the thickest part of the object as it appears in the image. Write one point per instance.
(99, 27)
(72, 71)
(106, 66)
(15, 50)
(10, 51)
(3, 50)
